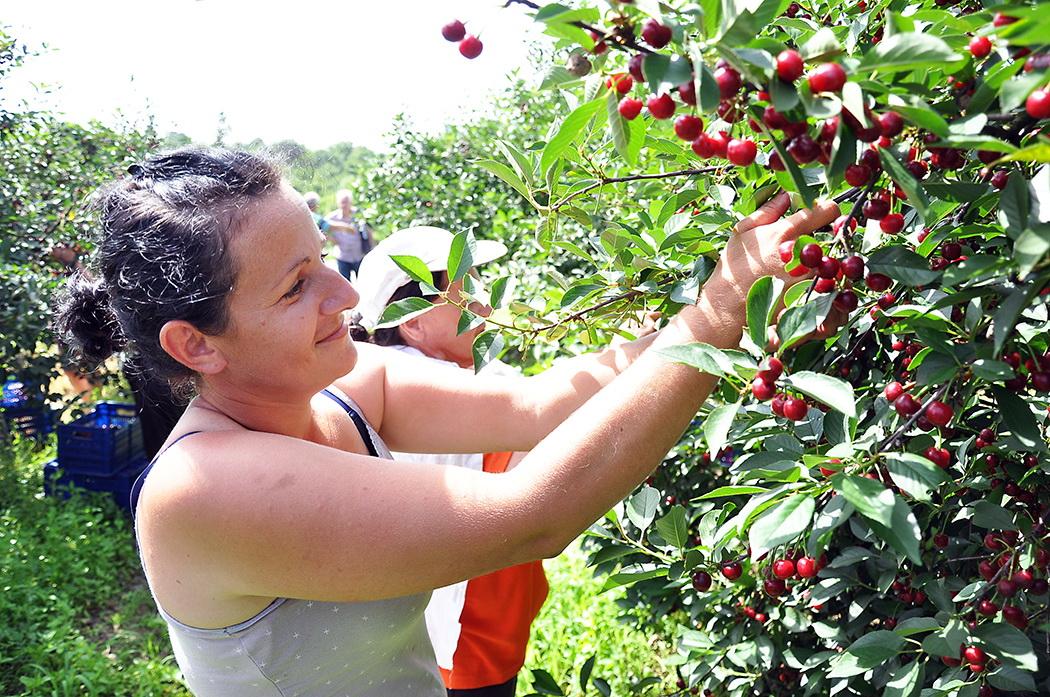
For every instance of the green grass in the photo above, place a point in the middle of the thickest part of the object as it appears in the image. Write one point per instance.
(79, 620)
(578, 622)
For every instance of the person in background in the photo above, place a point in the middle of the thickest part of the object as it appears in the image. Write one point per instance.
(479, 628)
(352, 237)
(313, 200)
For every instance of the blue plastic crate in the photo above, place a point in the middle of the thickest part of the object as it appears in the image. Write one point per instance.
(103, 442)
(13, 393)
(35, 422)
(58, 481)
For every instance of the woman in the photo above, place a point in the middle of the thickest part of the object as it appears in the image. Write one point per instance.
(286, 554)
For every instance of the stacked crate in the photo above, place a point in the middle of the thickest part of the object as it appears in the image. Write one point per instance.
(100, 451)
(21, 414)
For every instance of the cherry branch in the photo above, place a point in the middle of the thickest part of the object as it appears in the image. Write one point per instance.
(938, 393)
(630, 178)
(619, 40)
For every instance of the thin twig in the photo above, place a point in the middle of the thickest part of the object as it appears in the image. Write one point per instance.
(914, 417)
(633, 177)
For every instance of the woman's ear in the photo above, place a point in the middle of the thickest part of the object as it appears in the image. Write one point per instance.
(190, 347)
(414, 331)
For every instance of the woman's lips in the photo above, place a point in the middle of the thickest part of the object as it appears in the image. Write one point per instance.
(339, 332)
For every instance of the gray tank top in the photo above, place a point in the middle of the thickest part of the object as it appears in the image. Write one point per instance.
(306, 648)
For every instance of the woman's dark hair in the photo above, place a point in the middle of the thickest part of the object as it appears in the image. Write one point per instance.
(162, 254)
(391, 336)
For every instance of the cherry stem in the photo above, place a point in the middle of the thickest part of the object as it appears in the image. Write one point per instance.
(914, 417)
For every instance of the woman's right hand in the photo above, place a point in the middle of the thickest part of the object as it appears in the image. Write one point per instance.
(753, 249)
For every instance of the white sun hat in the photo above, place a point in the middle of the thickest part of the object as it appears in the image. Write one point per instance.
(379, 277)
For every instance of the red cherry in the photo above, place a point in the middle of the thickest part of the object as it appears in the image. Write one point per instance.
(827, 77)
(878, 282)
(939, 413)
(634, 67)
(825, 285)
(470, 47)
(1006, 588)
(980, 46)
(688, 127)
(906, 405)
(729, 82)
(811, 255)
(828, 267)
(1000, 179)
(892, 223)
(774, 587)
(875, 209)
(1041, 380)
(655, 34)
(661, 107)
(1001, 20)
(775, 163)
(891, 124)
(701, 581)
(1024, 579)
(704, 147)
(783, 568)
(846, 301)
(795, 409)
(974, 654)
(892, 391)
(732, 570)
(803, 148)
(630, 108)
(760, 617)
(853, 268)
(621, 82)
(806, 567)
(787, 251)
(774, 371)
(789, 65)
(940, 540)
(454, 31)
(762, 389)
(987, 608)
(687, 93)
(858, 175)
(939, 456)
(720, 143)
(1015, 616)
(1038, 104)
(741, 152)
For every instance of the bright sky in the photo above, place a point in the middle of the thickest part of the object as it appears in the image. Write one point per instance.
(313, 71)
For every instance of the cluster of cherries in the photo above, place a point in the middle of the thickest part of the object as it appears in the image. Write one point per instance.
(780, 571)
(763, 387)
(469, 46)
(1034, 371)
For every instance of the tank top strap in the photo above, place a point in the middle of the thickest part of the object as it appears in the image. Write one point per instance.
(136, 488)
(359, 421)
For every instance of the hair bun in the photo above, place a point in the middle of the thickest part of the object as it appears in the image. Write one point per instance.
(85, 320)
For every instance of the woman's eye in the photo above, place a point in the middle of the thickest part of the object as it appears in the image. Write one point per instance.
(295, 290)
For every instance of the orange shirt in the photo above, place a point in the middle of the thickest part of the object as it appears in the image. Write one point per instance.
(497, 614)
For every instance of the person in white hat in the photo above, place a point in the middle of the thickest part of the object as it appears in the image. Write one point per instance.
(479, 628)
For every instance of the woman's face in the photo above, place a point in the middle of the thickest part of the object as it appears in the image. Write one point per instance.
(287, 330)
(436, 329)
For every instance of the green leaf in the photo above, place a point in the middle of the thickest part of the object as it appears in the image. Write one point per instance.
(717, 425)
(641, 508)
(843, 152)
(545, 684)
(908, 51)
(989, 516)
(761, 303)
(906, 680)
(1005, 318)
(724, 491)
(402, 311)
(518, 160)
(889, 517)
(1018, 417)
(909, 184)
(633, 574)
(821, 45)
(784, 95)
(902, 265)
(915, 474)
(781, 524)
(417, 271)
(1030, 249)
(992, 371)
(673, 528)
(919, 113)
(585, 672)
(569, 130)
(1014, 205)
(618, 129)
(507, 174)
(707, 95)
(865, 653)
(703, 357)
(1012, 679)
(798, 180)
(836, 393)
(498, 291)
(487, 347)
(798, 322)
(461, 255)
(1009, 644)
(1036, 152)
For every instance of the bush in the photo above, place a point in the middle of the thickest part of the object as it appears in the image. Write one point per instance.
(864, 514)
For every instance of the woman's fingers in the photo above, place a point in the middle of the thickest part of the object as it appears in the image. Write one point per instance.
(807, 220)
(767, 213)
